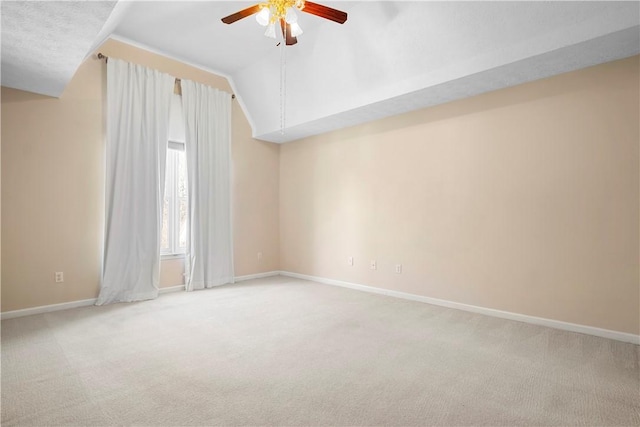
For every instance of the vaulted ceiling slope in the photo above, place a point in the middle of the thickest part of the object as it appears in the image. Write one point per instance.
(388, 58)
(44, 42)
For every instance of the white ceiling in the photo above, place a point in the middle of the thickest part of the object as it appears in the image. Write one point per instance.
(44, 43)
(388, 58)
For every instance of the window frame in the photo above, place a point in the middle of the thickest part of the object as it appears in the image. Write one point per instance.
(171, 193)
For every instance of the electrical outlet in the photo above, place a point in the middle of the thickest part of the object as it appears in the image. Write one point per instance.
(350, 261)
(374, 265)
(59, 276)
(399, 268)
(259, 255)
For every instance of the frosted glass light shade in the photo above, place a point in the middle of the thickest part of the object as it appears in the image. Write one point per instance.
(271, 31)
(291, 16)
(263, 17)
(295, 30)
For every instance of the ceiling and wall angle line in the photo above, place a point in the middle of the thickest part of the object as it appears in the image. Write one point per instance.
(388, 58)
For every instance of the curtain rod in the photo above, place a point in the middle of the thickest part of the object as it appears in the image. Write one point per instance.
(106, 59)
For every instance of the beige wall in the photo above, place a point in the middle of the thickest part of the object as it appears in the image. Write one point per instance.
(171, 272)
(51, 212)
(52, 154)
(256, 193)
(524, 200)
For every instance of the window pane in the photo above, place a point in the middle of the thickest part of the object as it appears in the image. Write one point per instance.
(174, 212)
(182, 174)
(182, 242)
(167, 175)
(164, 242)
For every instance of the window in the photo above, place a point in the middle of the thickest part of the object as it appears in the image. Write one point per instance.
(174, 211)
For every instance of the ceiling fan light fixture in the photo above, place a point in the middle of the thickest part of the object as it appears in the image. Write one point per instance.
(296, 30)
(264, 16)
(291, 17)
(271, 31)
(283, 14)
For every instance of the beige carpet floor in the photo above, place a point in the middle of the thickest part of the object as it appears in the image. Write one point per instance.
(281, 351)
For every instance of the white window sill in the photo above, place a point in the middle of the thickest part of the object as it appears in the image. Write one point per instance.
(171, 256)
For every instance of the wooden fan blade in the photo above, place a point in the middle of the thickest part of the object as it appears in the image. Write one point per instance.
(286, 33)
(325, 12)
(289, 38)
(242, 14)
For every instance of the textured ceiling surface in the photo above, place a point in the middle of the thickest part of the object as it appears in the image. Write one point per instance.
(44, 42)
(388, 58)
(192, 30)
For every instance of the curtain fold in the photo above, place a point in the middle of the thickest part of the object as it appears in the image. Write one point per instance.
(138, 106)
(207, 117)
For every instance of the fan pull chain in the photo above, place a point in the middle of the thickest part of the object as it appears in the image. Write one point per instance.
(283, 86)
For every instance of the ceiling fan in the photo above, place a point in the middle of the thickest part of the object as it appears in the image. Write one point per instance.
(273, 12)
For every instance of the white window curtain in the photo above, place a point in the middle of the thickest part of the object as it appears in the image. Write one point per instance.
(138, 105)
(207, 117)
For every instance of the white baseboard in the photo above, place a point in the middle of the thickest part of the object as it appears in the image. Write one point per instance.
(257, 276)
(67, 305)
(168, 289)
(556, 324)
(47, 308)
(86, 302)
